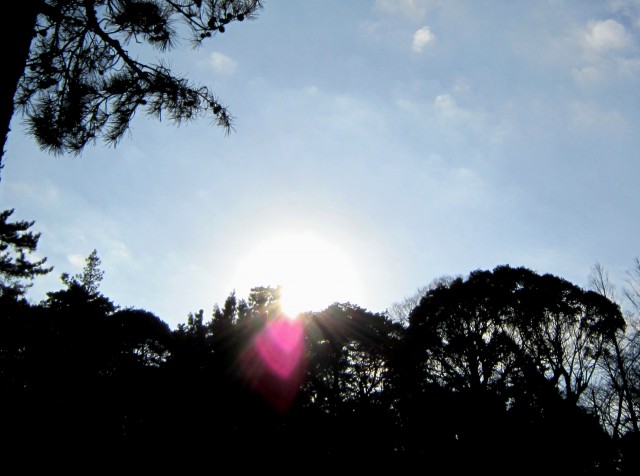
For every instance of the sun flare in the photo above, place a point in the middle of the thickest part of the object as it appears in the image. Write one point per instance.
(312, 272)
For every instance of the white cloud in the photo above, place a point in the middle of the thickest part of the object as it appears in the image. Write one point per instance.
(413, 9)
(446, 107)
(421, 38)
(606, 47)
(220, 63)
(76, 260)
(605, 35)
(461, 123)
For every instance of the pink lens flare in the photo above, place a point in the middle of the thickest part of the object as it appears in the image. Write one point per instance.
(280, 346)
(275, 362)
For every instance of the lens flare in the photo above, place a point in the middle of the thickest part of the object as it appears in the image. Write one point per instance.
(280, 347)
(275, 361)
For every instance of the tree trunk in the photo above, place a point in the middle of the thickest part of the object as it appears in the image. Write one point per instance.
(16, 33)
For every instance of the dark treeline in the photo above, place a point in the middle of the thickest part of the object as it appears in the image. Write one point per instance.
(504, 371)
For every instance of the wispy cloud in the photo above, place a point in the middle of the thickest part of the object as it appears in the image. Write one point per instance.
(590, 116)
(445, 106)
(422, 38)
(414, 9)
(219, 63)
(586, 75)
(45, 194)
(629, 9)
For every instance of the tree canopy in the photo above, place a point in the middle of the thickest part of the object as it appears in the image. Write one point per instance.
(501, 366)
(17, 268)
(74, 73)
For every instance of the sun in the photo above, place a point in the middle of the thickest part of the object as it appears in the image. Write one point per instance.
(312, 271)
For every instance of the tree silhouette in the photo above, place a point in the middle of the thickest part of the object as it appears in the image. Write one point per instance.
(399, 311)
(345, 390)
(71, 72)
(91, 275)
(493, 371)
(349, 349)
(616, 395)
(16, 267)
(481, 331)
(513, 352)
(79, 373)
(82, 291)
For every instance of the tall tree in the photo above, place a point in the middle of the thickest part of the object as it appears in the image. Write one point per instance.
(349, 349)
(495, 325)
(400, 311)
(69, 70)
(497, 364)
(616, 397)
(16, 267)
(632, 290)
(90, 277)
(82, 295)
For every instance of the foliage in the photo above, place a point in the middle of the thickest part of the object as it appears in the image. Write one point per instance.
(499, 366)
(82, 80)
(16, 267)
(81, 291)
(494, 327)
(615, 396)
(399, 311)
(91, 275)
(349, 350)
(507, 356)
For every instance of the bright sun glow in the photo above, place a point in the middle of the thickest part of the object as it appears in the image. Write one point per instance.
(313, 272)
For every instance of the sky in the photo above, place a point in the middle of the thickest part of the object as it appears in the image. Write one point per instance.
(378, 145)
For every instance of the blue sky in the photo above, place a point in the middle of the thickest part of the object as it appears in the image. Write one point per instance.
(420, 138)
